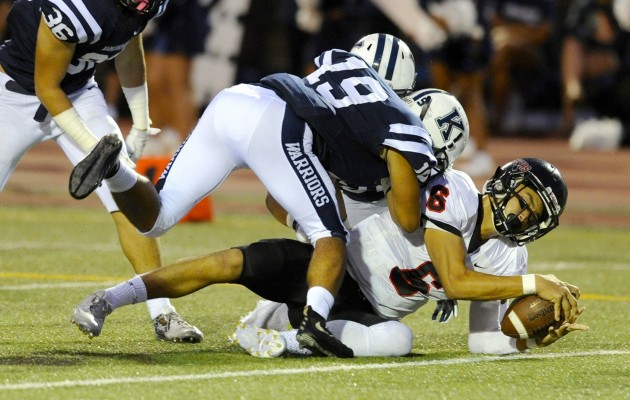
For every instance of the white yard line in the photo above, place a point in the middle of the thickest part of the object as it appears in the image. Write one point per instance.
(294, 371)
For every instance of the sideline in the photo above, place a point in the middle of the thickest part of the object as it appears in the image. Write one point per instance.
(296, 371)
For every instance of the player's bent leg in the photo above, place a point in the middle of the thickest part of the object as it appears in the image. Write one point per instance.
(144, 255)
(268, 315)
(385, 339)
(88, 174)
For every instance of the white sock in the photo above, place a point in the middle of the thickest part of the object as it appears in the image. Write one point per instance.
(130, 292)
(320, 300)
(159, 306)
(123, 179)
(293, 346)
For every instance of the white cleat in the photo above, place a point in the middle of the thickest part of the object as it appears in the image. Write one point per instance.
(174, 328)
(90, 315)
(263, 343)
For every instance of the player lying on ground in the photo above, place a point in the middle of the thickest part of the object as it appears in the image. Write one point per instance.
(392, 273)
(342, 119)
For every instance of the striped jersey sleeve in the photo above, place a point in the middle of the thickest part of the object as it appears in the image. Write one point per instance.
(71, 21)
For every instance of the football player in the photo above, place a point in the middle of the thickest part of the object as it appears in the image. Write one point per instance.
(442, 114)
(48, 92)
(342, 119)
(469, 247)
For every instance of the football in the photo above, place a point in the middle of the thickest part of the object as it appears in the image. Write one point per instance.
(527, 316)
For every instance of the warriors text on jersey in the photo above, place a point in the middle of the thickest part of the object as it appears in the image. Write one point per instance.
(100, 28)
(393, 268)
(348, 106)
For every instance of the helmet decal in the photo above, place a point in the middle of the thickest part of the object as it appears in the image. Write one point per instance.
(449, 122)
(445, 120)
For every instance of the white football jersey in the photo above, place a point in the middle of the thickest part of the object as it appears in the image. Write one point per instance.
(393, 267)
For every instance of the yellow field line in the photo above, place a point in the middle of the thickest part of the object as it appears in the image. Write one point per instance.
(63, 277)
(108, 278)
(604, 297)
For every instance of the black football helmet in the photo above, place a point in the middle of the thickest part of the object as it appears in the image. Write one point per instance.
(141, 6)
(545, 180)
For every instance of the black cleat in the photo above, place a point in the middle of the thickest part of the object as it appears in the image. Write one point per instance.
(314, 335)
(101, 163)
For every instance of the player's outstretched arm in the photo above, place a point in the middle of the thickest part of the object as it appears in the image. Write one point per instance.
(448, 253)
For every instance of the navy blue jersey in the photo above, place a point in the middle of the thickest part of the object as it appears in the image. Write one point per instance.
(100, 28)
(354, 114)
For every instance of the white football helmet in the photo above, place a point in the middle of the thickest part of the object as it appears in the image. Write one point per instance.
(445, 120)
(391, 58)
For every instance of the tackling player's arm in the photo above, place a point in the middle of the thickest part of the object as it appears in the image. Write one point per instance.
(404, 195)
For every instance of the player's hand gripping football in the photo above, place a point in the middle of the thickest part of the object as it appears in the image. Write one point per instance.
(556, 333)
(137, 140)
(563, 295)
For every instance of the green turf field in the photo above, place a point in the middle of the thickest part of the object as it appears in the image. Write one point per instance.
(51, 258)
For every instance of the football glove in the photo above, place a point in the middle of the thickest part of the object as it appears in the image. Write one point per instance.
(448, 308)
(137, 140)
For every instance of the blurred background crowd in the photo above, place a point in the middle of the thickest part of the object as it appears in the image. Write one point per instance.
(535, 68)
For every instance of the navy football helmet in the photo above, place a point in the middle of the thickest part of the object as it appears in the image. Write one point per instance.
(545, 180)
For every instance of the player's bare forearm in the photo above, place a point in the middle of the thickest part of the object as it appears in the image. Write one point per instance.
(52, 58)
(403, 200)
(130, 64)
(448, 254)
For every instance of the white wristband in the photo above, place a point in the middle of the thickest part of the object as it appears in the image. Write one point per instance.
(138, 101)
(531, 343)
(70, 122)
(529, 284)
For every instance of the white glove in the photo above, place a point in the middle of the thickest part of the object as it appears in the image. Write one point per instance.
(137, 140)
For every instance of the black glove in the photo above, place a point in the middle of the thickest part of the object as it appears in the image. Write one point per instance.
(448, 308)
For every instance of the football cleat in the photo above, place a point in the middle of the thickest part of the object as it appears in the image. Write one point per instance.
(313, 335)
(263, 343)
(101, 163)
(174, 328)
(90, 315)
